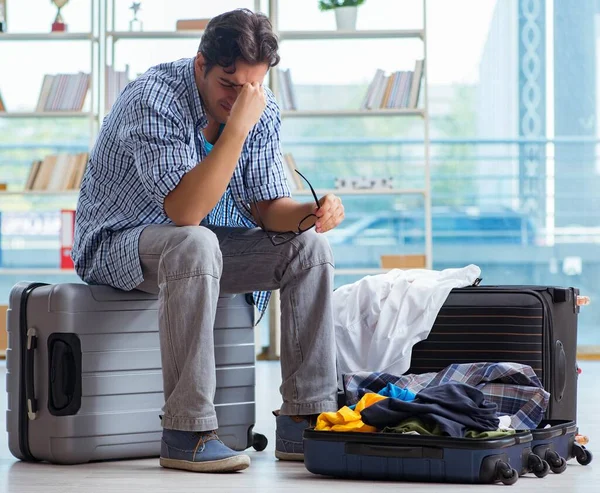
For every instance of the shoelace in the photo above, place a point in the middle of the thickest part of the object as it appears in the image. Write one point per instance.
(208, 436)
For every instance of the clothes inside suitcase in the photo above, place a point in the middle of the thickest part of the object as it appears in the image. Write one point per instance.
(84, 377)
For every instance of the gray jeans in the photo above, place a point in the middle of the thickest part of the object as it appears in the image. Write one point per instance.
(188, 267)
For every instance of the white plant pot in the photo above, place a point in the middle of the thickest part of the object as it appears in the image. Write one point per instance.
(345, 18)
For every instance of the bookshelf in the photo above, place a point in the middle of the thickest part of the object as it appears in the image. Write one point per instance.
(92, 38)
(104, 45)
(419, 112)
(112, 35)
(42, 202)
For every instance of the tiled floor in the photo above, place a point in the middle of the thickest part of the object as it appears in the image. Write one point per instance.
(266, 474)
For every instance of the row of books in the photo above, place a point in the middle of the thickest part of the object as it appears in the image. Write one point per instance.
(67, 237)
(67, 92)
(57, 172)
(63, 92)
(287, 95)
(116, 81)
(294, 180)
(397, 90)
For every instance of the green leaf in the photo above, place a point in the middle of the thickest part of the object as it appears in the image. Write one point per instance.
(334, 4)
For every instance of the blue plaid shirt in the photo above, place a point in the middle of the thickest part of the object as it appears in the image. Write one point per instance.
(150, 139)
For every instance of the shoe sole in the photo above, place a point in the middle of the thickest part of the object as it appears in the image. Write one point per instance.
(289, 456)
(231, 464)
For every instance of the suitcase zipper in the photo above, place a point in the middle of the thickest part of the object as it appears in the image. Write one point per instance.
(27, 405)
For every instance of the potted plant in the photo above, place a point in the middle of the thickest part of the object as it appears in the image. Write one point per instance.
(345, 12)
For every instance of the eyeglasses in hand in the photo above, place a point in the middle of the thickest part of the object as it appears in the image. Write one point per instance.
(306, 223)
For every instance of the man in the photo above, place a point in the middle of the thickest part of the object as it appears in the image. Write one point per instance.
(186, 165)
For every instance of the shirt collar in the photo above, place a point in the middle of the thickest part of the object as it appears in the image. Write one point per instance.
(195, 101)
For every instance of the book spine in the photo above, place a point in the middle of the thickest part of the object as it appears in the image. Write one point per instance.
(67, 233)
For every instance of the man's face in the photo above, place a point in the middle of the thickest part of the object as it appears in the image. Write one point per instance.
(220, 88)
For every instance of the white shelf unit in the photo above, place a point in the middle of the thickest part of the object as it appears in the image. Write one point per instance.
(93, 38)
(274, 328)
(104, 34)
(397, 112)
(111, 37)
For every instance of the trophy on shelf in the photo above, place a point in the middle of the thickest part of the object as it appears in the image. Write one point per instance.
(135, 24)
(59, 25)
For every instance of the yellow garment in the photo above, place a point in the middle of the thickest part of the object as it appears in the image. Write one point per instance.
(347, 419)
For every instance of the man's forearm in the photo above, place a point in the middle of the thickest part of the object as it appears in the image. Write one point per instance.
(201, 188)
(285, 214)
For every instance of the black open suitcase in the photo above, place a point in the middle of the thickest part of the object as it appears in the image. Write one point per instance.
(531, 325)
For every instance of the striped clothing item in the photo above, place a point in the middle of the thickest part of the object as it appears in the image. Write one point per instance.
(515, 388)
(150, 139)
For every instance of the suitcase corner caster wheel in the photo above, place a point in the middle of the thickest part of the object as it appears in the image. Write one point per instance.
(538, 466)
(556, 462)
(259, 442)
(583, 455)
(506, 474)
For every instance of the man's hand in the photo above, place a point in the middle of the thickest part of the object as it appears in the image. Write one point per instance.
(248, 107)
(329, 214)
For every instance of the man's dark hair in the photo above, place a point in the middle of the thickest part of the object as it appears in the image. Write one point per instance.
(239, 34)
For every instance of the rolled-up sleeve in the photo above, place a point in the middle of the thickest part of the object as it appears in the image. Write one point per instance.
(265, 174)
(159, 142)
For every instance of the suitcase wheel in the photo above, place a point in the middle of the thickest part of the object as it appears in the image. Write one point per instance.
(583, 455)
(505, 473)
(556, 462)
(538, 466)
(259, 442)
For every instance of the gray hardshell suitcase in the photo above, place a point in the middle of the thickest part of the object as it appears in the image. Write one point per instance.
(84, 376)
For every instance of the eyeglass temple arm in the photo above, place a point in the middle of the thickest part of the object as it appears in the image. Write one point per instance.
(311, 188)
